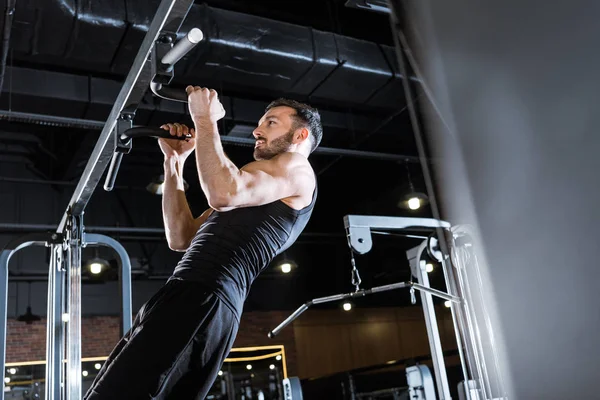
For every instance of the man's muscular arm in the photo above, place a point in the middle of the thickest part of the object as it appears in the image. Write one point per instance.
(260, 182)
(180, 225)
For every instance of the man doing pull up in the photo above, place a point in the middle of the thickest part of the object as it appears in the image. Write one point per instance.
(181, 336)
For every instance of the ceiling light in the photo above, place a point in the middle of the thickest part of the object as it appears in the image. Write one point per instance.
(12, 371)
(84, 373)
(413, 201)
(278, 358)
(429, 267)
(97, 366)
(220, 373)
(7, 380)
(286, 267)
(95, 268)
(447, 303)
(248, 367)
(272, 366)
(29, 317)
(96, 265)
(347, 306)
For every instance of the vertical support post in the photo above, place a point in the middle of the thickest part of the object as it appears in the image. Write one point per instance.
(418, 269)
(11, 248)
(4, 258)
(73, 368)
(124, 276)
(433, 333)
(54, 327)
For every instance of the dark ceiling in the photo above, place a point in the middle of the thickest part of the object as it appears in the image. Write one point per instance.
(68, 58)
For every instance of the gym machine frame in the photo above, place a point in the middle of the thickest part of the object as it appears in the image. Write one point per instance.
(358, 230)
(58, 299)
(479, 360)
(152, 69)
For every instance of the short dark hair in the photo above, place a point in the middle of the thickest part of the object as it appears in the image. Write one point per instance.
(305, 117)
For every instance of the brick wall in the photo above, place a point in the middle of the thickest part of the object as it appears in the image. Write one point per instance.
(253, 332)
(321, 342)
(100, 334)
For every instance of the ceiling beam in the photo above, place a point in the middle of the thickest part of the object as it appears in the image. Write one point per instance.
(98, 125)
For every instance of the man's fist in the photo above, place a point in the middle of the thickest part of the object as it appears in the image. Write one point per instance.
(174, 147)
(204, 104)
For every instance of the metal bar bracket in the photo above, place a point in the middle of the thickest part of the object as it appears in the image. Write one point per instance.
(358, 228)
(162, 73)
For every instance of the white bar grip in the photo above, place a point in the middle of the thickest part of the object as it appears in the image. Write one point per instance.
(182, 47)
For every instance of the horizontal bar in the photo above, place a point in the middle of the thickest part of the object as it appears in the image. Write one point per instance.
(92, 124)
(96, 229)
(131, 230)
(359, 228)
(336, 297)
(289, 319)
(393, 223)
(435, 292)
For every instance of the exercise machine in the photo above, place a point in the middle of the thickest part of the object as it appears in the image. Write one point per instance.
(479, 360)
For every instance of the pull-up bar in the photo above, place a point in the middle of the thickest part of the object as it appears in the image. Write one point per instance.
(153, 63)
(167, 21)
(163, 60)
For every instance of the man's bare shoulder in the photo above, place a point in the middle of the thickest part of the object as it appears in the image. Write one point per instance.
(302, 176)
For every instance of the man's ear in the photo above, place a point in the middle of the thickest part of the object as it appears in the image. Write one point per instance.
(300, 135)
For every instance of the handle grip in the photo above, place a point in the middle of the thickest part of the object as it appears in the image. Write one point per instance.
(181, 48)
(168, 93)
(113, 169)
(145, 131)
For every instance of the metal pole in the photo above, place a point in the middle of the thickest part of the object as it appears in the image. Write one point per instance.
(124, 276)
(54, 327)
(11, 248)
(4, 258)
(74, 244)
(170, 13)
(418, 268)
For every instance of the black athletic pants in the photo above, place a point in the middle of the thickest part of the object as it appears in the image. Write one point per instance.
(174, 349)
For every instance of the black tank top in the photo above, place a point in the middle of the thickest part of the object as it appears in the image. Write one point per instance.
(233, 247)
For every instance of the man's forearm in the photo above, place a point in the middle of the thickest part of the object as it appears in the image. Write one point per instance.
(177, 217)
(218, 174)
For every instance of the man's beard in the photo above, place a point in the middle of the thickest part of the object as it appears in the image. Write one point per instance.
(277, 146)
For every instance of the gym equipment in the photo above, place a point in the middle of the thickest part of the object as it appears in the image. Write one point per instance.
(420, 383)
(478, 357)
(152, 69)
(59, 316)
(292, 390)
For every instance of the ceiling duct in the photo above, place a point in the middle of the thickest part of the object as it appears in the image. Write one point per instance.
(240, 52)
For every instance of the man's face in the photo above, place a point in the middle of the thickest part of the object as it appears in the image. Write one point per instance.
(275, 133)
